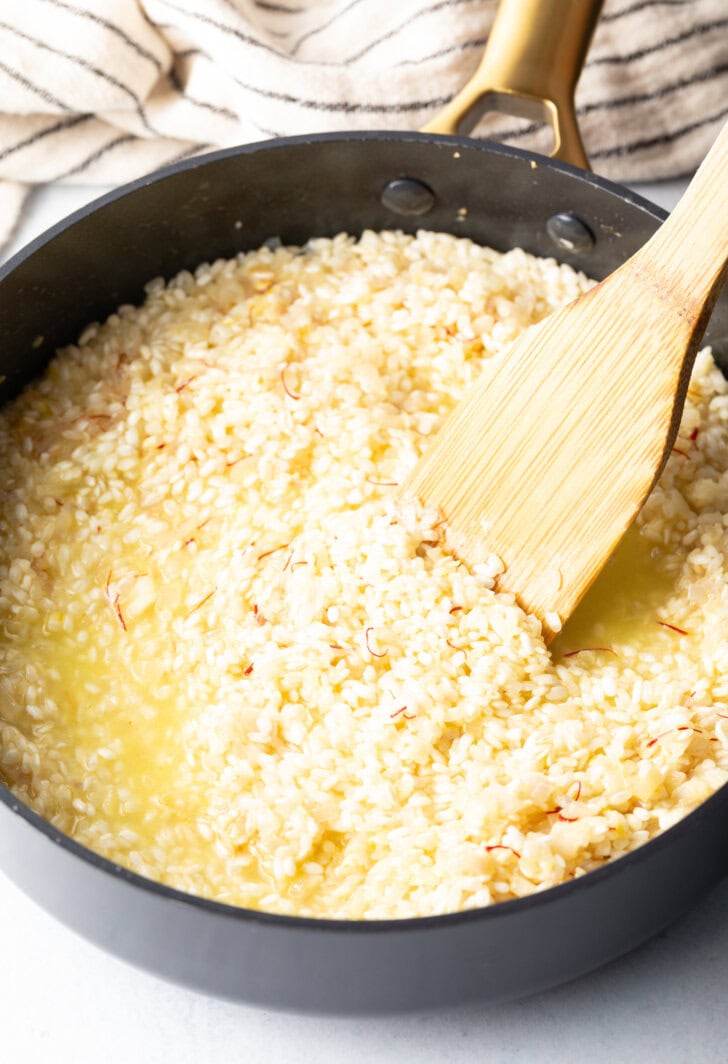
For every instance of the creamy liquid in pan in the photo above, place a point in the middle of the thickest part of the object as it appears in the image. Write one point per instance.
(619, 608)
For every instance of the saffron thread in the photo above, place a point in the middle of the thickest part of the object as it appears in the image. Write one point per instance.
(119, 614)
(202, 602)
(673, 628)
(273, 550)
(369, 648)
(490, 849)
(286, 389)
(181, 387)
(584, 650)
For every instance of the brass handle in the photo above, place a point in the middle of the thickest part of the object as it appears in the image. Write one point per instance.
(532, 62)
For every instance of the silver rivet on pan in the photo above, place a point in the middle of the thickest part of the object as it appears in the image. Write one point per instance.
(569, 232)
(406, 195)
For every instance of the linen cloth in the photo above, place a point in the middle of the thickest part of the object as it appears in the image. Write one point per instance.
(103, 91)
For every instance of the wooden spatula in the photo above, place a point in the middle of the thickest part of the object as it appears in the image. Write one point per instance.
(549, 459)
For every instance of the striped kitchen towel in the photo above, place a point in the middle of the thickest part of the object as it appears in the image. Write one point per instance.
(103, 91)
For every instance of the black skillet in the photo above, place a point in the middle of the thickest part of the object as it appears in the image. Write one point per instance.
(295, 188)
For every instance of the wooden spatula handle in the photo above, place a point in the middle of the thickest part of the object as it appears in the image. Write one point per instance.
(688, 256)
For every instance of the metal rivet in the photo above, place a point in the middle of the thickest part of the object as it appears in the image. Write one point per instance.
(569, 232)
(406, 195)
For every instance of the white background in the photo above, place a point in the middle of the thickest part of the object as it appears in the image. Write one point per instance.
(65, 1002)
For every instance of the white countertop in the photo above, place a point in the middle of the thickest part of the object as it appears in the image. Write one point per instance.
(66, 1002)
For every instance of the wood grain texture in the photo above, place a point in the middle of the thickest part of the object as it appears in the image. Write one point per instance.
(549, 459)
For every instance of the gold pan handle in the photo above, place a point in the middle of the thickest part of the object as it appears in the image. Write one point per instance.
(532, 62)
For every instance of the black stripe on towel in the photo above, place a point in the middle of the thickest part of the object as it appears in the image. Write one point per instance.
(57, 127)
(280, 9)
(214, 108)
(245, 37)
(116, 30)
(324, 26)
(623, 101)
(465, 46)
(612, 16)
(340, 107)
(84, 64)
(403, 26)
(664, 138)
(37, 89)
(668, 42)
(657, 94)
(126, 138)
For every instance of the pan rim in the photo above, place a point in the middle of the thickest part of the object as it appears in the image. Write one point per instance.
(490, 147)
(496, 910)
(538, 898)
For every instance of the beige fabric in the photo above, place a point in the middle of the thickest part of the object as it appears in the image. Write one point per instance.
(103, 91)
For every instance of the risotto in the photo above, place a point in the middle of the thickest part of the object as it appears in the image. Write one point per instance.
(226, 662)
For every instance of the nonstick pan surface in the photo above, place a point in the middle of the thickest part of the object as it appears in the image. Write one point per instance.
(293, 189)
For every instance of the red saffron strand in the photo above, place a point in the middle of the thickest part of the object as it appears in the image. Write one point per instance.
(578, 791)
(658, 737)
(454, 647)
(402, 709)
(568, 819)
(683, 454)
(181, 387)
(273, 550)
(119, 614)
(693, 435)
(584, 650)
(551, 812)
(382, 483)
(286, 389)
(247, 672)
(455, 609)
(288, 561)
(683, 727)
(202, 602)
(673, 628)
(372, 652)
(489, 849)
